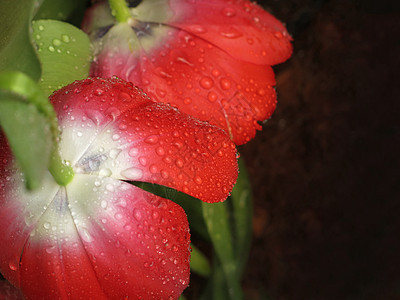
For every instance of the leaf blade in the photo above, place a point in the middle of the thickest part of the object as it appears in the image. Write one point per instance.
(64, 52)
(16, 50)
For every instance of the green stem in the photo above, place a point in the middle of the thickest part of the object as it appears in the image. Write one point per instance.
(62, 172)
(120, 10)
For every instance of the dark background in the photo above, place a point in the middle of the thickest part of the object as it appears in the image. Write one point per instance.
(325, 168)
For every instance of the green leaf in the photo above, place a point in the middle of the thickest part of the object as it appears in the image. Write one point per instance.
(216, 217)
(64, 52)
(16, 50)
(243, 214)
(217, 287)
(199, 263)
(29, 122)
(28, 134)
(60, 9)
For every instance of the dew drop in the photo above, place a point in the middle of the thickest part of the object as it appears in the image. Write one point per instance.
(132, 173)
(187, 100)
(198, 180)
(114, 153)
(105, 172)
(133, 152)
(160, 151)
(225, 83)
(56, 42)
(65, 38)
(137, 214)
(179, 163)
(50, 249)
(52, 49)
(261, 92)
(278, 35)
(12, 265)
(212, 96)
(206, 82)
(103, 204)
(164, 174)
(110, 187)
(116, 137)
(215, 72)
(46, 225)
(153, 169)
(228, 12)
(85, 235)
(232, 34)
(153, 139)
(98, 92)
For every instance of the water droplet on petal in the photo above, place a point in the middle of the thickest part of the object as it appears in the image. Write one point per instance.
(85, 235)
(137, 214)
(225, 83)
(133, 152)
(206, 82)
(12, 265)
(231, 34)
(198, 180)
(179, 163)
(228, 12)
(132, 173)
(105, 172)
(160, 151)
(114, 153)
(103, 204)
(212, 96)
(98, 92)
(50, 249)
(153, 139)
(110, 187)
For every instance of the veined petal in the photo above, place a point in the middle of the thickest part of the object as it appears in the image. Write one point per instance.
(239, 27)
(190, 66)
(106, 239)
(202, 81)
(145, 141)
(101, 237)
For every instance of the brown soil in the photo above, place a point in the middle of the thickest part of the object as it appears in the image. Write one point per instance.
(325, 168)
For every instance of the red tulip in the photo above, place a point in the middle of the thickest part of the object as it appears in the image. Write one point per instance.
(210, 58)
(100, 237)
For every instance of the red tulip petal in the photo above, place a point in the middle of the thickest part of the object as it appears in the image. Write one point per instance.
(221, 80)
(54, 255)
(241, 28)
(101, 239)
(19, 212)
(200, 80)
(145, 141)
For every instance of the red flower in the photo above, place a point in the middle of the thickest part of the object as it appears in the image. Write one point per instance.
(210, 58)
(100, 237)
